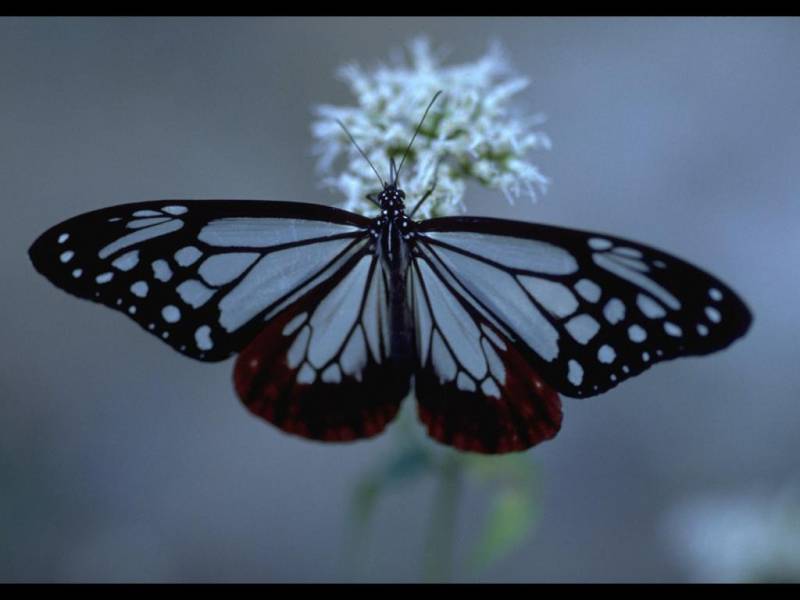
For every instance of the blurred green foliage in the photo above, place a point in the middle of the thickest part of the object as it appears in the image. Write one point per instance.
(511, 515)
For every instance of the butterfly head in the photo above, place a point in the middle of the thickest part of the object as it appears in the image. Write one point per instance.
(391, 199)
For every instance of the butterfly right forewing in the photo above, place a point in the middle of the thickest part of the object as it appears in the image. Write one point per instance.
(588, 310)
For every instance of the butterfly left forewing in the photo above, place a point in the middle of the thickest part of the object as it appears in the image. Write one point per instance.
(587, 310)
(203, 276)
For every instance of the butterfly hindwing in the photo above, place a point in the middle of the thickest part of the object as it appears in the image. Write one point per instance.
(475, 390)
(586, 310)
(201, 275)
(322, 367)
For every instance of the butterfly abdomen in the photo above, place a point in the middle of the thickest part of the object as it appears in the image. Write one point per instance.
(393, 232)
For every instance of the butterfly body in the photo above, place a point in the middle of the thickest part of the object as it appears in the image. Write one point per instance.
(393, 233)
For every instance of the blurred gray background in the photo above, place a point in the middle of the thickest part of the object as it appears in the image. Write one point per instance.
(122, 460)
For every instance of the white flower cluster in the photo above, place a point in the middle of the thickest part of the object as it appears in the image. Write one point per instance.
(469, 134)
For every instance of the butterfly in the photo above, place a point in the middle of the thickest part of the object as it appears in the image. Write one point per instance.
(335, 316)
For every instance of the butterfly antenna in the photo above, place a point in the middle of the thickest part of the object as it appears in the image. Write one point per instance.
(421, 121)
(364, 154)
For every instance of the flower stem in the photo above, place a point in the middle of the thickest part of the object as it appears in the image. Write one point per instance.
(439, 549)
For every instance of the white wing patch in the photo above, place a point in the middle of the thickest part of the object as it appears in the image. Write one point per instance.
(271, 277)
(449, 339)
(257, 233)
(140, 236)
(513, 304)
(515, 253)
(332, 342)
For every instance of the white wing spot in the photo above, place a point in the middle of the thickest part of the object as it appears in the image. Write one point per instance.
(132, 310)
(702, 330)
(104, 277)
(223, 268)
(354, 355)
(161, 270)
(715, 294)
(297, 350)
(332, 374)
(672, 329)
(597, 243)
(306, 374)
(66, 256)
(424, 321)
(194, 293)
(493, 337)
(627, 251)
(127, 261)
(614, 311)
(575, 373)
(490, 388)
(147, 213)
(140, 235)
(583, 328)
(175, 210)
(294, 324)
(496, 366)
(588, 289)
(626, 369)
(77, 273)
(713, 314)
(140, 223)
(465, 382)
(649, 307)
(606, 354)
(202, 337)
(187, 256)
(140, 288)
(171, 313)
(555, 297)
(637, 334)
(63, 238)
(443, 362)
(645, 356)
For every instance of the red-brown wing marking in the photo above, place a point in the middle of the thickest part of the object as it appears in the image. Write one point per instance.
(475, 390)
(326, 375)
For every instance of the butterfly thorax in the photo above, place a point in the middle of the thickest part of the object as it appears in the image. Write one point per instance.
(392, 227)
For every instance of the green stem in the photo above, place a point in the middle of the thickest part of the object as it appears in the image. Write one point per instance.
(439, 549)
